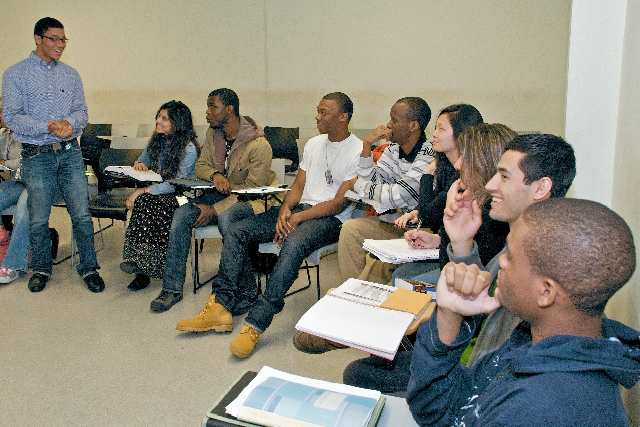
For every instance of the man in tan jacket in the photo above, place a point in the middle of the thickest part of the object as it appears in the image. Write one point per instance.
(235, 156)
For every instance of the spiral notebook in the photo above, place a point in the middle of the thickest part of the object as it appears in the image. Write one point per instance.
(365, 315)
(398, 251)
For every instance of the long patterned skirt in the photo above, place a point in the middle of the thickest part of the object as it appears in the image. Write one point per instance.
(147, 236)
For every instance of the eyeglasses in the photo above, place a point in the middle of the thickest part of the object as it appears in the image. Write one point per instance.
(56, 39)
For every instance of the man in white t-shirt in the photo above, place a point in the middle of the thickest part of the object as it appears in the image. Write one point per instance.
(310, 217)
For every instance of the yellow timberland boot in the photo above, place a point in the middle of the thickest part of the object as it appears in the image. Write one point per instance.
(213, 316)
(245, 342)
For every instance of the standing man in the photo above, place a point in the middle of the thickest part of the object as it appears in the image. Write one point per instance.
(235, 156)
(394, 182)
(44, 105)
(310, 217)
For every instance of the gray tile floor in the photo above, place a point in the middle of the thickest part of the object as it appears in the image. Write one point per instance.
(69, 357)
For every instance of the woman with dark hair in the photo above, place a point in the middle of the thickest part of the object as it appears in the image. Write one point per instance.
(172, 152)
(481, 147)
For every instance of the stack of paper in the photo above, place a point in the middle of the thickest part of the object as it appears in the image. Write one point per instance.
(275, 398)
(398, 251)
(261, 190)
(130, 171)
(364, 315)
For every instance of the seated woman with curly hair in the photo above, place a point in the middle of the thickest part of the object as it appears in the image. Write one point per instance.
(172, 152)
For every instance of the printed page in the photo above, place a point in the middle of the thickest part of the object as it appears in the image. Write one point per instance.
(363, 292)
(267, 372)
(279, 402)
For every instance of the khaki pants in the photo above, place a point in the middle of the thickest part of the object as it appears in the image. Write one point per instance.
(351, 256)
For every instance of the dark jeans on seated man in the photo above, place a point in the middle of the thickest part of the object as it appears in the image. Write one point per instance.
(180, 236)
(235, 287)
(375, 373)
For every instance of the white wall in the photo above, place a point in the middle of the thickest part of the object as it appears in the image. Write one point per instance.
(593, 94)
(603, 124)
(281, 56)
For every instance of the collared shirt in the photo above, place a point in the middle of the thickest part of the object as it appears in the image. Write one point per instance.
(394, 181)
(33, 93)
(411, 157)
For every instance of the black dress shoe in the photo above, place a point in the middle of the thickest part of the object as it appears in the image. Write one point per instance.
(140, 282)
(38, 282)
(94, 282)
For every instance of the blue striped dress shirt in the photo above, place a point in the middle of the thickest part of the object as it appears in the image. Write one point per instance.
(34, 93)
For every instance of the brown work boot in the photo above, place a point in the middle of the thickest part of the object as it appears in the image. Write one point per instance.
(213, 316)
(245, 342)
(312, 344)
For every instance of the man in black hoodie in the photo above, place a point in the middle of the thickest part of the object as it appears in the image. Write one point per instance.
(564, 260)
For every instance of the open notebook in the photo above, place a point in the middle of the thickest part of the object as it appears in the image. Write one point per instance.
(365, 315)
(130, 171)
(398, 251)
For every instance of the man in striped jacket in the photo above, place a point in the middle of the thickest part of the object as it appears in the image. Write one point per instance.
(392, 183)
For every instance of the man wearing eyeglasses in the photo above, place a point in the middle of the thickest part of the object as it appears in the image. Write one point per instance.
(43, 102)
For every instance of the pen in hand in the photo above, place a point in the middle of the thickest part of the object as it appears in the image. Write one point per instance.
(417, 229)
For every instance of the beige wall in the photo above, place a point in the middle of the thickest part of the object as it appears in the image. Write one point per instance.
(603, 124)
(507, 58)
(625, 194)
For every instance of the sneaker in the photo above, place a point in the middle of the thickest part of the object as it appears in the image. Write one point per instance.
(94, 282)
(37, 282)
(245, 342)
(213, 316)
(165, 301)
(141, 281)
(312, 344)
(8, 275)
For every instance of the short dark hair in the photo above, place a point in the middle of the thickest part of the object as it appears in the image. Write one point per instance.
(546, 156)
(418, 110)
(228, 97)
(44, 24)
(583, 245)
(462, 117)
(343, 101)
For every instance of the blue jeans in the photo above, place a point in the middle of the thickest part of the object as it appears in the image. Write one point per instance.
(413, 270)
(175, 268)
(235, 287)
(17, 257)
(45, 174)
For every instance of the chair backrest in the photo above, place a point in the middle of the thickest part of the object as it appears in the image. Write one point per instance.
(145, 130)
(116, 157)
(122, 142)
(91, 145)
(284, 144)
(201, 131)
(278, 166)
(124, 130)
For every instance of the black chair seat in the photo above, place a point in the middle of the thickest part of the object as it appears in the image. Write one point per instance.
(108, 206)
(116, 157)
